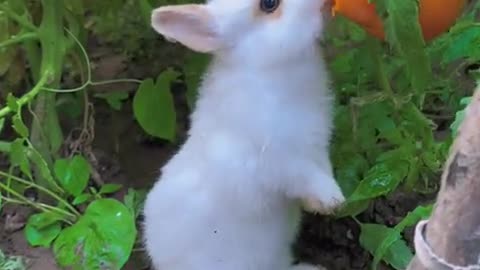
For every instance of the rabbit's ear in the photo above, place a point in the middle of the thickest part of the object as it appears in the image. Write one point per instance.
(192, 25)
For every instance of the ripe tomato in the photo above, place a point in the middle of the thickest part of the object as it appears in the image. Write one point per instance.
(435, 16)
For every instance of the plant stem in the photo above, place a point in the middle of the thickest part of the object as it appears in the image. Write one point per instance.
(42, 207)
(26, 201)
(17, 18)
(46, 134)
(19, 39)
(28, 96)
(44, 190)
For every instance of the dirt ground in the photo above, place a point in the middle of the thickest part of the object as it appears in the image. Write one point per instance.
(128, 157)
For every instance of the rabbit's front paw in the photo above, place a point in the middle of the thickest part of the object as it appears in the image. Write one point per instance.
(326, 199)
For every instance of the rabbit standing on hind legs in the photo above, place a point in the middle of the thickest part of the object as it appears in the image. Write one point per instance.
(258, 146)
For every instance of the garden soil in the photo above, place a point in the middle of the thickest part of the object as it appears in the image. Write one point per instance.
(126, 156)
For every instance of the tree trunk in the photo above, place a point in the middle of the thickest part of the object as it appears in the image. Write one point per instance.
(453, 231)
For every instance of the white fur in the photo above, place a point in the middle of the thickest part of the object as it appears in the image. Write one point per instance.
(230, 198)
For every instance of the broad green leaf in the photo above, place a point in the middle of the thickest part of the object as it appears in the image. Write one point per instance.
(43, 220)
(398, 254)
(104, 236)
(380, 180)
(154, 108)
(42, 229)
(82, 198)
(73, 174)
(110, 188)
(19, 126)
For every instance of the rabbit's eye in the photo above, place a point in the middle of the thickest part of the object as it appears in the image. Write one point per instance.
(269, 6)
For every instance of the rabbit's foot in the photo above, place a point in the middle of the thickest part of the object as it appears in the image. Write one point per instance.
(326, 198)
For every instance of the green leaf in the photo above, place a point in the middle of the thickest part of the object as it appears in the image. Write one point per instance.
(104, 236)
(12, 103)
(350, 170)
(134, 201)
(403, 31)
(19, 126)
(81, 198)
(110, 188)
(398, 255)
(19, 156)
(154, 108)
(42, 229)
(114, 99)
(421, 212)
(73, 174)
(463, 44)
(352, 208)
(382, 178)
(42, 165)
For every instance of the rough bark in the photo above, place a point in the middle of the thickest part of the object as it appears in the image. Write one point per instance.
(453, 232)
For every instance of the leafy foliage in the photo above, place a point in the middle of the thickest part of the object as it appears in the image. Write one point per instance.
(153, 103)
(393, 99)
(92, 242)
(382, 122)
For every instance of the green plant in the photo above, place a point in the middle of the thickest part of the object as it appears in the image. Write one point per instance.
(389, 99)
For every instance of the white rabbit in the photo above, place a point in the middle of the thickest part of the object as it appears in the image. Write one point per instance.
(230, 199)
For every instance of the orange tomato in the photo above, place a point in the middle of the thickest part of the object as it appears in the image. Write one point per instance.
(435, 16)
